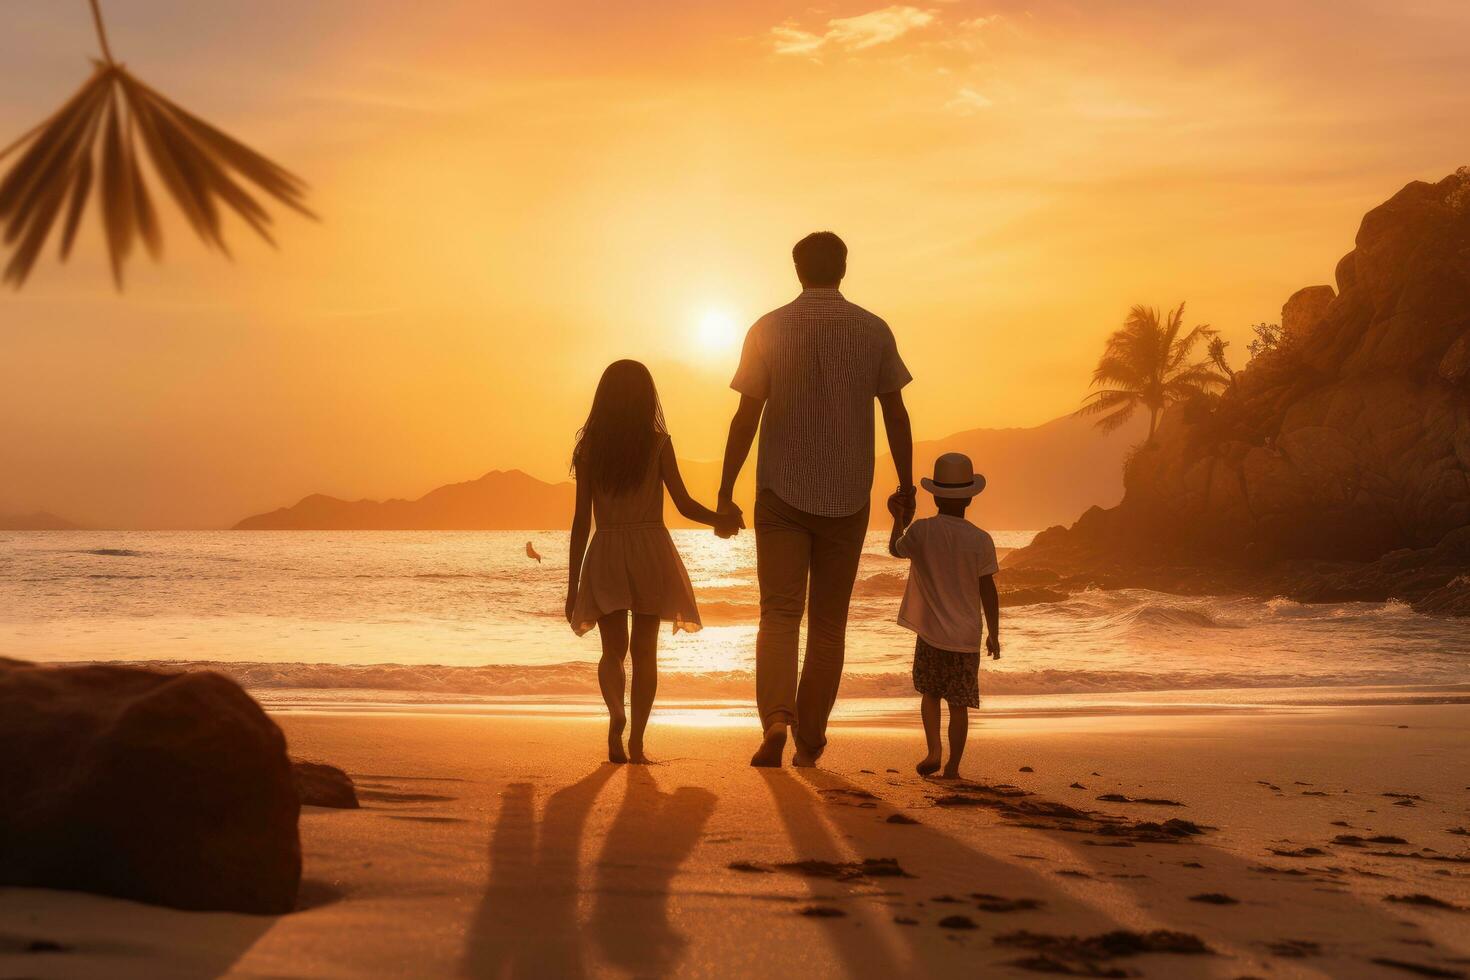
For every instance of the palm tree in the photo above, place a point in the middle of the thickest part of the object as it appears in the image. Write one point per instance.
(94, 140)
(1216, 352)
(1148, 364)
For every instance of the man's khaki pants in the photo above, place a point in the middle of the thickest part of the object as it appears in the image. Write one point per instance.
(803, 560)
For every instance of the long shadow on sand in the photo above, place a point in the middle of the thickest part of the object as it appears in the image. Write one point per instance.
(651, 837)
(527, 924)
(862, 951)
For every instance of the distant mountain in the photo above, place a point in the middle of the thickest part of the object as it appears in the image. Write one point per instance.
(499, 500)
(1036, 477)
(39, 521)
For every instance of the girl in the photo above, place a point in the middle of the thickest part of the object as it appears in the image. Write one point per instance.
(622, 462)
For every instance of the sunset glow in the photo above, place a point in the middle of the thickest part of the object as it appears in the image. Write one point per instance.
(514, 195)
(718, 333)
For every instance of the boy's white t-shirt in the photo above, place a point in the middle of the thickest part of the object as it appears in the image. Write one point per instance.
(941, 603)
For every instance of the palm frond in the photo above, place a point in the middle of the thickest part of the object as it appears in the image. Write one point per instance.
(1183, 348)
(1116, 369)
(1103, 401)
(1196, 378)
(93, 146)
(1118, 419)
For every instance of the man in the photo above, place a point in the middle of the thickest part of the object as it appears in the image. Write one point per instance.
(807, 378)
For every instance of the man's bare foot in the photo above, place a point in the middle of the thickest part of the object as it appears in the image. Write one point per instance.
(636, 754)
(928, 765)
(615, 751)
(773, 747)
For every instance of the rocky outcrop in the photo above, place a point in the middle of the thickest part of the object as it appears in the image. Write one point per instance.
(171, 789)
(1349, 443)
(1304, 310)
(318, 784)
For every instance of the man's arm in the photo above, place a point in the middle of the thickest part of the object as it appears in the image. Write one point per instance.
(990, 602)
(737, 449)
(901, 447)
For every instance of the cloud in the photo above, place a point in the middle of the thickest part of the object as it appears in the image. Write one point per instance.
(788, 39)
(856, 33)
(967, 102)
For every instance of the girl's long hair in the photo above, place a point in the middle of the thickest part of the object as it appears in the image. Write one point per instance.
(626, 425)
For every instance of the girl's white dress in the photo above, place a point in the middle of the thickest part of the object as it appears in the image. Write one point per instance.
(631, 561)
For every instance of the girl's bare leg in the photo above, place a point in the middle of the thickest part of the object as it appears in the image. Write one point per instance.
(959, 730)
(613, 629)
(645, 680)
(929, 710)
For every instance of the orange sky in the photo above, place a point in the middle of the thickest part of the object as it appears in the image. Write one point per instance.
(513, 197)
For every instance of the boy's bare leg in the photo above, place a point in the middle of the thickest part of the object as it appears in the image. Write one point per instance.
(959, 730)
(613, 630)
(929, 710)
(644, 648)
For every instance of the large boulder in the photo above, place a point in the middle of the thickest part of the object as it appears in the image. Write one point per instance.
(1304, 311)
(168, 788)
(1348, 442)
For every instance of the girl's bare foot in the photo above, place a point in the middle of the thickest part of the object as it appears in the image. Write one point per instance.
(928, 766)
(636, 755)
(952, 771)
(615, 751)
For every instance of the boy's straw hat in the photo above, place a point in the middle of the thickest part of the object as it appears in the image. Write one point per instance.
(954, 476)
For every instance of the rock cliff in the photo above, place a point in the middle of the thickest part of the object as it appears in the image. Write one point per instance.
(1348, 444)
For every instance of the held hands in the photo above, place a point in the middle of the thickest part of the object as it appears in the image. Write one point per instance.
(992, 646)
(571, 605)
(731, 519)
(901, 504)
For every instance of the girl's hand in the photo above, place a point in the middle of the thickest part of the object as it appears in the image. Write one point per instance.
(571, 605)
(992, 646)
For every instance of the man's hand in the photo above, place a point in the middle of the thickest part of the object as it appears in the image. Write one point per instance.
(571, 605)
(733, 519)
(902, 504)
(992, 646)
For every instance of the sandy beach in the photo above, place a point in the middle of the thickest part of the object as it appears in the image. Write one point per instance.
(492, 846)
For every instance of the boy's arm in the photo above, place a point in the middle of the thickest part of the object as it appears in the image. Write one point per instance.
(904, 537)
(894, 535)
(990, 602)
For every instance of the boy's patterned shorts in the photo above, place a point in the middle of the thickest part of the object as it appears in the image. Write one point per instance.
(949, 674)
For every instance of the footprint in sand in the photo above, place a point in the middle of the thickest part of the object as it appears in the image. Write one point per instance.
(1214, 898)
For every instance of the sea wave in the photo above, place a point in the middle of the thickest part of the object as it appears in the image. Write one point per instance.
(1175, 618)
(580, 678)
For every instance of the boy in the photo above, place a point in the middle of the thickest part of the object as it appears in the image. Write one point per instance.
(951, 578)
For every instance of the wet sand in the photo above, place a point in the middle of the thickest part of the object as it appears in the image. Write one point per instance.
(497, 846)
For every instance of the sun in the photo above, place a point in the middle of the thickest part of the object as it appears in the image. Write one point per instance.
(716, 332)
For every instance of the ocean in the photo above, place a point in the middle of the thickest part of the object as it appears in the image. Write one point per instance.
(466, 618)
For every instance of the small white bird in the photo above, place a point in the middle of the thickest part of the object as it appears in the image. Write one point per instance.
(531, 552)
